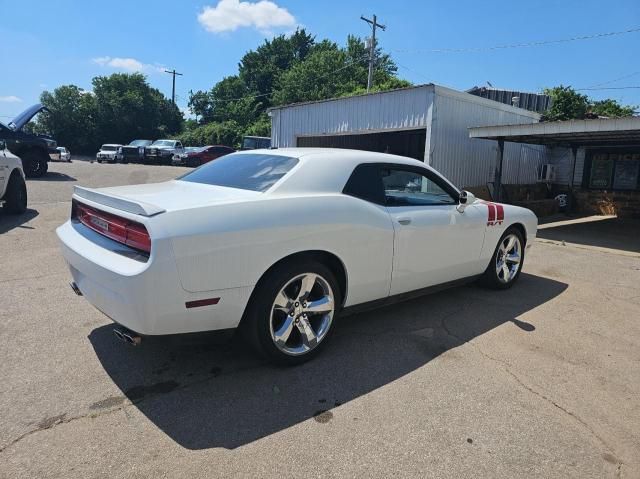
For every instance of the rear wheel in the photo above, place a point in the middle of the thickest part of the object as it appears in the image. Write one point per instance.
(507, 260)
(292, 314)
(16, 195)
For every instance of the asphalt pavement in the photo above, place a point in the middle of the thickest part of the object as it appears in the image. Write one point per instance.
(542, 380)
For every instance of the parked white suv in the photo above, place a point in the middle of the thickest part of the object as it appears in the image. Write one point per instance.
(108, 152)
(13, 190)
(65, 155)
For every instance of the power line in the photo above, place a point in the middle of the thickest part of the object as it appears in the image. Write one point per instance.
(523, 44)
(610, 88)
(615, 80)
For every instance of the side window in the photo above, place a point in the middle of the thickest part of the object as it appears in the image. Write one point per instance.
(178, 145)
(364, 183)
(411, 188)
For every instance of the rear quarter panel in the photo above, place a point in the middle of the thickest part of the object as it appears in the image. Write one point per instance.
(229, 246)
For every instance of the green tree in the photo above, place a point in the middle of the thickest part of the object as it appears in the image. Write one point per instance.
(287, 70)
(568, 104)
(120, 108)
(611, 108)
(128, 108)
(71, 117)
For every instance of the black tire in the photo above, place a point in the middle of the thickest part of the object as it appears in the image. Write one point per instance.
(16, 195)
(256, 323)
(491, 277)
(34, 163)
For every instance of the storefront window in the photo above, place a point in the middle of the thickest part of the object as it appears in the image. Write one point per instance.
(625, 176)
(614, 171)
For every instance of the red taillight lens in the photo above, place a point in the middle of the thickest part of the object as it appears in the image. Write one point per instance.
(118, 229)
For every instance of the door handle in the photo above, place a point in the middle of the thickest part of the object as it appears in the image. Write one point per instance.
(404, 221)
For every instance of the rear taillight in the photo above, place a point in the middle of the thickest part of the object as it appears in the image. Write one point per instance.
(119, 229)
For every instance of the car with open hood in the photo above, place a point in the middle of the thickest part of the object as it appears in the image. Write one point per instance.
(34, 150)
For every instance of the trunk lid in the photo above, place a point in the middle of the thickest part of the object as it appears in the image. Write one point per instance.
(155, 198)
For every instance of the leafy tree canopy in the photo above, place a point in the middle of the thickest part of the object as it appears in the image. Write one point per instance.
(289, 69)
(568, 104)
(121, 108)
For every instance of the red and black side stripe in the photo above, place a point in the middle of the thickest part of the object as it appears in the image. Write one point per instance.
(495, 213)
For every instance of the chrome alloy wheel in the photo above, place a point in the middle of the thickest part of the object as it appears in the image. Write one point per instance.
(301, 314)
(508, 258)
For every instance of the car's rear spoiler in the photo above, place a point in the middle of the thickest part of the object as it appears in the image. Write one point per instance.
(131, 206)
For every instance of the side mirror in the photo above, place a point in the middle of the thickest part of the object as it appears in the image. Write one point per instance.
(466, 198)
(3, 144)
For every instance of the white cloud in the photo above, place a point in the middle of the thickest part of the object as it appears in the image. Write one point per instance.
(10, 99)
(229, 15)
(126, 64)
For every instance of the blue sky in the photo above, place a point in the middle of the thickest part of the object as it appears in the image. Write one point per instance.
(48, 43)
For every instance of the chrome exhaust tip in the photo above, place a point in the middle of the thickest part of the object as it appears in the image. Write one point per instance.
(127, 336)
(75, 288)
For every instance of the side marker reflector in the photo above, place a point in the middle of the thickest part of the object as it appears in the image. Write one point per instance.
(201, 302)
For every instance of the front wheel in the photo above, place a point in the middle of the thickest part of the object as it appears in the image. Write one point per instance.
(507, 260)
(292, 314)
(16, 195)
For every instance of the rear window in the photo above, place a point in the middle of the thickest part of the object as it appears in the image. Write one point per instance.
(256, 172)
(109, 148)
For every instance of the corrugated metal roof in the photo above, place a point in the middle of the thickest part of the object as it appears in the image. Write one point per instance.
(340, 98)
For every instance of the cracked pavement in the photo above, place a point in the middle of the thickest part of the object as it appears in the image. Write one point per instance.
(542, 380)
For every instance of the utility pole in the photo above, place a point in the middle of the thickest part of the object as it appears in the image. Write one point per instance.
(372, 48)
(173, 89)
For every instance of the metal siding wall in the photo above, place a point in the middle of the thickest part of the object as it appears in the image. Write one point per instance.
(471, 162)
(401, 109)
(561, 158)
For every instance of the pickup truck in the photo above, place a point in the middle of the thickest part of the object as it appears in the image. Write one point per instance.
(34, 150)
(133, 152)
(162, 152)
(13, 190)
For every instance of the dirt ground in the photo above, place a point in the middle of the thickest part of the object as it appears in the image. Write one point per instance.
(542, 380)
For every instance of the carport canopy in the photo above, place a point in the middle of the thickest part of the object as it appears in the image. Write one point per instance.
(573, 134)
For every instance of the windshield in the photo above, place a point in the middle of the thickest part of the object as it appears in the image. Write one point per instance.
(140, 143)
(109, 148)
(254, 143)
(256, 172)
(164, 143)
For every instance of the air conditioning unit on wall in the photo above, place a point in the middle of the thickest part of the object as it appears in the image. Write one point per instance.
(547, 173)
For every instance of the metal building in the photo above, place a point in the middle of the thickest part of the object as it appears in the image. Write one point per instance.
(426, 122)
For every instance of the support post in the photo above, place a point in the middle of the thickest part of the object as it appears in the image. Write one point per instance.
(497, 181)
(574, 158)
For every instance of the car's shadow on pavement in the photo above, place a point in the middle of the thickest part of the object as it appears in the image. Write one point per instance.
(204, 395)
(9, 222)
(54, 176)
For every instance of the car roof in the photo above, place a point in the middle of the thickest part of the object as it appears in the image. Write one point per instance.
(111, 144)
(345, 155)
(326, 170)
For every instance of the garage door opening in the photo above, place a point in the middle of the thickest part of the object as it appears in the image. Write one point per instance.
(409, 143)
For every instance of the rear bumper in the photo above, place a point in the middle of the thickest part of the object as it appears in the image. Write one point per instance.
(146, 297)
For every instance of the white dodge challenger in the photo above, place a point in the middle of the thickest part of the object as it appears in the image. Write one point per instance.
(278, 242)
